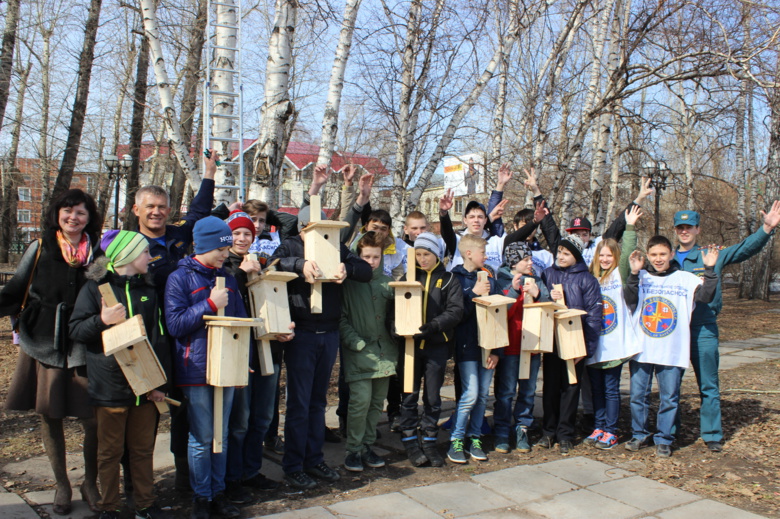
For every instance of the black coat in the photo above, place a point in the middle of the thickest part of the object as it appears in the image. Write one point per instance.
(442, 306)
(108, 386)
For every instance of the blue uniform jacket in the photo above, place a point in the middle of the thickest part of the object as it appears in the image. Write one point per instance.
(467, 346)
(178, 237)
(186, 302)
(707, 313)
(581, 291)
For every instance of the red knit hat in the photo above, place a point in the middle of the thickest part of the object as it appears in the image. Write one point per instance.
(238, 219)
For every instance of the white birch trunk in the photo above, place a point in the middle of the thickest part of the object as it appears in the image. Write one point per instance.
(330, 120)
(684, 144)
(278, 110)
(172, 125)
(224, 105)
(498, 118)
(740, 166)
(43, 143)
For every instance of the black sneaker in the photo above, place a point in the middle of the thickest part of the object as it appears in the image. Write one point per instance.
(201, 508)
(260, 482)
(110, 514)
(372, 459)
(353, 462)
(275, 445)
(236, 494)
(663, 451)
(300, 480)
(565, 446)
(152, 512)
(634, 444)
(322, 471)
(395, 424)
(715, 446)
(332, 436)
(222, 506)
(546, 442)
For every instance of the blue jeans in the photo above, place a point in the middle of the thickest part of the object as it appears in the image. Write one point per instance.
(524, 407)
(207, 469)
(505, 389)
(605, 386)
(253, 411)
(705, 359)
(669, 379)
(475, 381)
(309, 358)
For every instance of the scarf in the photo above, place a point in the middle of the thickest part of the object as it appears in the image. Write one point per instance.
(75, 256)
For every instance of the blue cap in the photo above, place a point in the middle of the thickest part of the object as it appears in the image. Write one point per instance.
(686, 218)
(211, 233)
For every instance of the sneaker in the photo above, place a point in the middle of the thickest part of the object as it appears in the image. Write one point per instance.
(546, 442)
(111, 514)
(372, 459)
(456, 453)
(276, 444)
(502, 445)
(152, 512)
(332, 436)
(594, 437)
(300, 480)
(236, 494)
(353, 462)
(201, 508)
(222, 506)
(260, 482)
(322, 471)
(663, 450)
(715, 446)
(607, 441)
(564, 446)
(634, 444)
(476, 451)
(522, 443)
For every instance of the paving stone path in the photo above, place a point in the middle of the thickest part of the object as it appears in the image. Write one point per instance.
(571, 488)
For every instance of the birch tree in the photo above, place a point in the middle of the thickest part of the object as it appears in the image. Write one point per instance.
(7, 53)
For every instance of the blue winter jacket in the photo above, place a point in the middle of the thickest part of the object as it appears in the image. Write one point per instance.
(467, 346)
(581, 291)
(186, 302)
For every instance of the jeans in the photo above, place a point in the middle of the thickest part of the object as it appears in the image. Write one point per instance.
(504, 388)
(524, 407)
(669, 379)
(605, 385)
(706, 360)
(207, 469)
(237, 428)
(309, 358)
(475, 380)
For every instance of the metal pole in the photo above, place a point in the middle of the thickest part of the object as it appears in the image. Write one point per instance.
(116, 202)
(657, 208)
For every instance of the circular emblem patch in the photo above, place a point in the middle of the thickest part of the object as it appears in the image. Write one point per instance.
(659, 317)
(609, 320)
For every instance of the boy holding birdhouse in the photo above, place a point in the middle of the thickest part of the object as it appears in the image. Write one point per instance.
(191, 294)
(123, 420)
(475, 377)
(582, 292)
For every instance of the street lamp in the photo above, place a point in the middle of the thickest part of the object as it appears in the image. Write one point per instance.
(122, 166)
(658, 172)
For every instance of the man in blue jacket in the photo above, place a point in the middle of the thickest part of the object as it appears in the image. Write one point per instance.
(704, 322)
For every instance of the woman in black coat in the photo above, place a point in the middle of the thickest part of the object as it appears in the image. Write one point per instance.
(50, 375)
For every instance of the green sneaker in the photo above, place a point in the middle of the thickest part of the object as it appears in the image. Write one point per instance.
(456, 453)
(476, 451)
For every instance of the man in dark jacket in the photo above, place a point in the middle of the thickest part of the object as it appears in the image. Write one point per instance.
(582, 292)
(310, 357)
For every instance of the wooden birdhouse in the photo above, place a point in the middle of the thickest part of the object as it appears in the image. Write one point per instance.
(538, 332)
(268, 301)
(569, 336)
(492, 323)
(321, 244)
(128, 343)
(408, 315)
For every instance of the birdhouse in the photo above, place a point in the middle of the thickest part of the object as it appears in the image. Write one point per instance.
(569, 336)
(492, 320)
(321, 244)
(408, 315)
(538, 333)
(268, 301)
(128, 343)
(228, 350)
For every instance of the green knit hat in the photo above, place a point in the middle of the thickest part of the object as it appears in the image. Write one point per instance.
(123, 247)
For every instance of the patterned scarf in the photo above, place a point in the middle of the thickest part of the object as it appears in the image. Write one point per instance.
(75, 256)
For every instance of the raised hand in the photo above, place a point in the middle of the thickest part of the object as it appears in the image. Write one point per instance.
(349, 172)
(540, 211)
(645, 190)
(498, 211)
(637, 261)
(531, 182)
(772, 218)
(446, 201)
(710, 256)
(633, 214)
(211, 164)
(504, 176)
(319, 178)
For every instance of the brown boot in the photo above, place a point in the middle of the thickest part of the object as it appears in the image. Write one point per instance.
(53, 438)
(89, 489)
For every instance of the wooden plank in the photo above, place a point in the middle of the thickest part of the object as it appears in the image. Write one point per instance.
(161, 407)
(218, 393)
(409, 366)
(408, 309)
(141, 367)
(228, 318)
(108, 294)
(525, 365)
(173, 402)
(266, 359)
(411, 264)
(562, 300)
(123, 335)
(571, 371)
(316, 297)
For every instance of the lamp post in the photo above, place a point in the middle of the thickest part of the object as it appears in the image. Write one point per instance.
(658, 172)
(122, 166)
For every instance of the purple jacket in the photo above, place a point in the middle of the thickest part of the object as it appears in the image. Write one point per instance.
(186, 302)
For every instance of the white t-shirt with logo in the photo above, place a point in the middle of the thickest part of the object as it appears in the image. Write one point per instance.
(618, 338)
(494, 252)
(265, 248)
(541, 259)
(663, 317)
